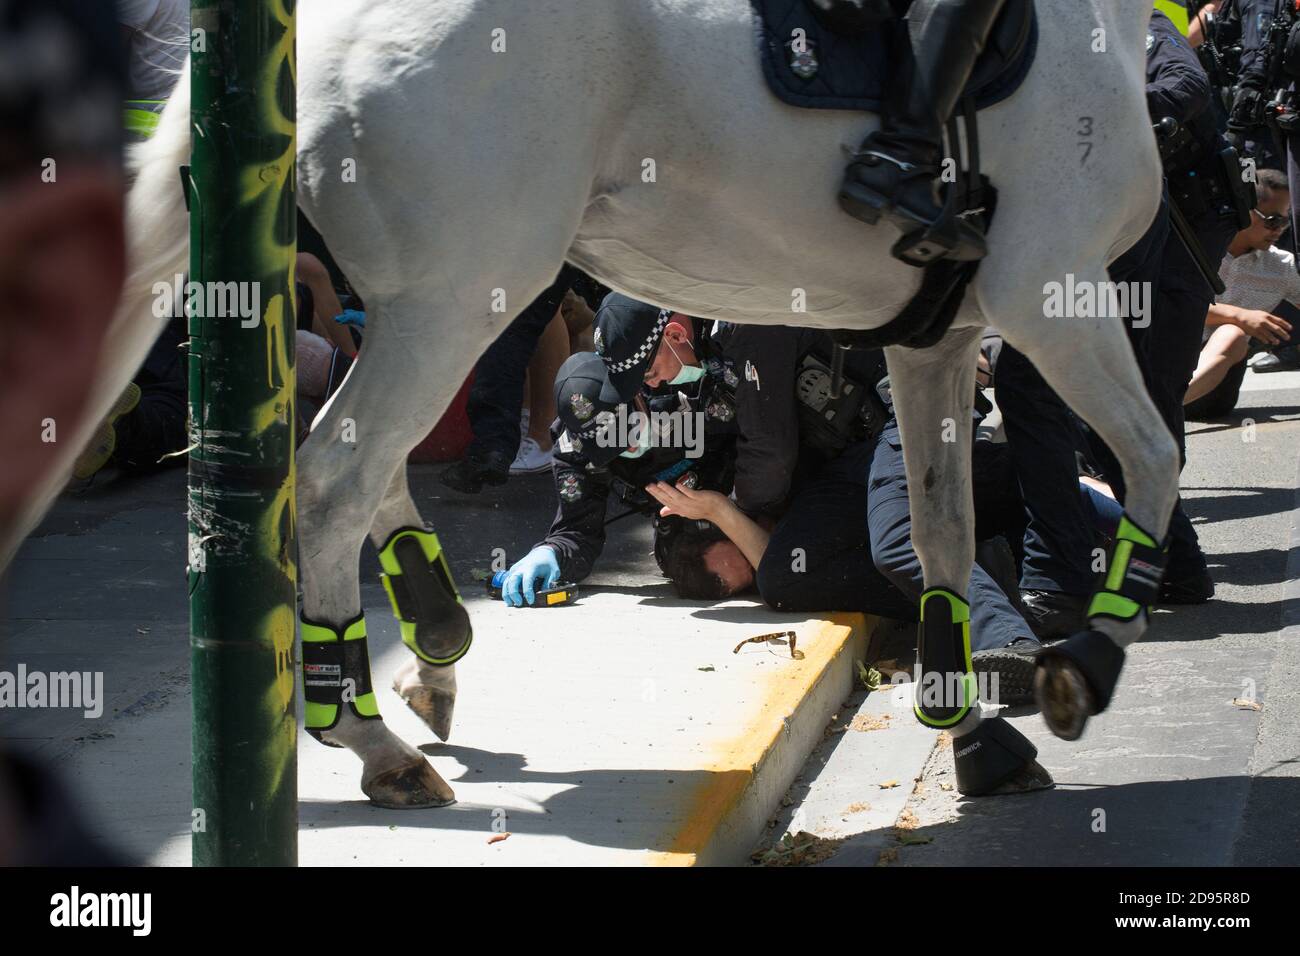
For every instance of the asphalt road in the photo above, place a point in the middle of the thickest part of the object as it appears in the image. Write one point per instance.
(1197, 761)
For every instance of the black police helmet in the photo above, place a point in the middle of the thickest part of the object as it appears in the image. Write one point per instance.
(585, 401)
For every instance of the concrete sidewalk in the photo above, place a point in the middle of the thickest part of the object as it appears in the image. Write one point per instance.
(620, 730)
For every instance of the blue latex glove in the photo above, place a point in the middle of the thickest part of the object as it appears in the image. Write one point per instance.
(520, 585)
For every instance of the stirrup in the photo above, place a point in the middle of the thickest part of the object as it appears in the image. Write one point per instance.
(949, 237)
(958, 233)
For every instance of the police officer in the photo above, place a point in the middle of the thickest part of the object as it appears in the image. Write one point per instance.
(1043, 436)
(1214, 32)
(1256, 83)
(1205, 183)
(741, 378)
(600, 447)
(844, 542)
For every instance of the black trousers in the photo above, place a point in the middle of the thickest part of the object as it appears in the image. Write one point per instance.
(1044, 438)
(496, 399)
(1167, 352)
(845, 544)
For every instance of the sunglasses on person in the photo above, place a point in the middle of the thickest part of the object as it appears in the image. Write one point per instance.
(1275, 221)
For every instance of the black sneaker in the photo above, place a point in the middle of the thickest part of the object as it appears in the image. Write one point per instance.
(472, 472)
(1054, 614)
(1014, 666)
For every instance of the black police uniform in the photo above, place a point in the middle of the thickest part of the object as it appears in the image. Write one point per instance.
(846, 541)
(1255, 16)
(1264, 73)
(1044, 439)
(584, 485)
(753, 367)
(1177, 87)
(1059, 540)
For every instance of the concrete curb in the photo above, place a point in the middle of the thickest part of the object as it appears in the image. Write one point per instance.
(729, 811)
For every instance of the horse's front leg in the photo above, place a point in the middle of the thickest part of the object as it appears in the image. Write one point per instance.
(933, 391)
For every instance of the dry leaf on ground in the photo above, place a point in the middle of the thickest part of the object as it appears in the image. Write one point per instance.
(799, 849)
(866, 722)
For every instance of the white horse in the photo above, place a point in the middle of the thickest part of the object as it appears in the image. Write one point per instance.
(481, 169)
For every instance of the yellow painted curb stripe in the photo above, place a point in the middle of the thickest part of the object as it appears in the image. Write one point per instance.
(731, 772)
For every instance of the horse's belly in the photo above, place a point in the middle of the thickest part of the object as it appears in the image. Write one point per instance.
(724, 275)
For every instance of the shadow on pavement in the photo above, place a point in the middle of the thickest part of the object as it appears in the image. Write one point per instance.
(1136, 824)
(578, 813)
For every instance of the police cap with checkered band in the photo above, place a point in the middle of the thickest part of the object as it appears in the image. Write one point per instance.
(627, 337)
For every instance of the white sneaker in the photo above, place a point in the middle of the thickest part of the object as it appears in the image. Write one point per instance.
(531, 459)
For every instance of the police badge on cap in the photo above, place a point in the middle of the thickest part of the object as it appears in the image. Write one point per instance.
(585, 401)
(581, 405)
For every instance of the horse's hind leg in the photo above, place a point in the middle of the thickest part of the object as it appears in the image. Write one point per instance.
(348, 474)
(933, 390)
(1089, 362)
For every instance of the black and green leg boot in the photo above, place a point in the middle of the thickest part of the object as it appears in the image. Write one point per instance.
(434, 623)
(1076, 678)
(994, 757)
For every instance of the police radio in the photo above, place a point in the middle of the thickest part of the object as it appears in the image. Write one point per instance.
(831, 419)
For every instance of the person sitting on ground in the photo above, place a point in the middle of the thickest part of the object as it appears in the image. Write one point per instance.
(497, 397)
(146, 429)
(319, 303)
(1258, 275)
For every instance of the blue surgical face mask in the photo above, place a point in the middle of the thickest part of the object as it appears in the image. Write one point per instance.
(689, 373)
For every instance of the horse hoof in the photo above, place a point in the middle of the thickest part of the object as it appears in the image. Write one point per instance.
(416, 786)
(1064, 697)
(434, 707)
(430, 692)
(1076, 679)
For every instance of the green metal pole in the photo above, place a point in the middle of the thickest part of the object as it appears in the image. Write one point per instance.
(242, 549)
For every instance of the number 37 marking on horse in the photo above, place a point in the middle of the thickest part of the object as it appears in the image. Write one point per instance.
(1085, 138)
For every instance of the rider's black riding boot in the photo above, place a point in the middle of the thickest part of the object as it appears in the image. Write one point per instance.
(894, 173)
